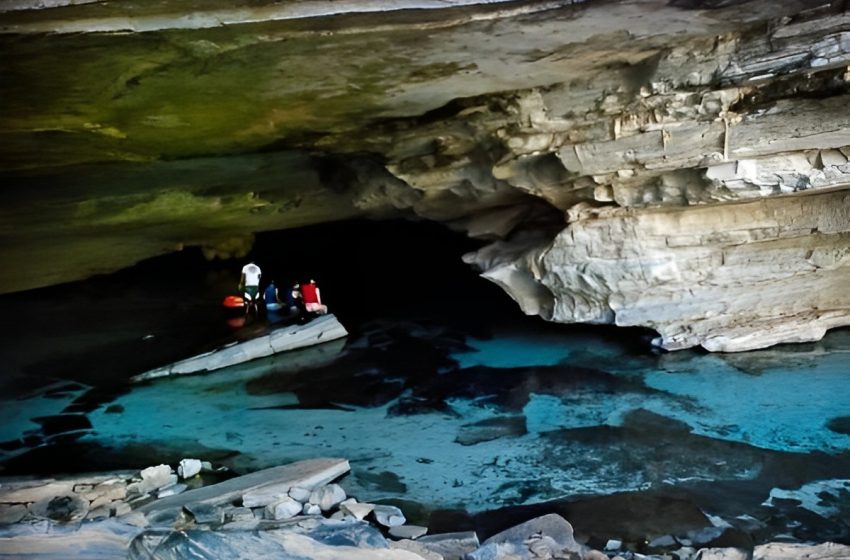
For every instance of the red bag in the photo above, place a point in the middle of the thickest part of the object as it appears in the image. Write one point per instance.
(233, 302)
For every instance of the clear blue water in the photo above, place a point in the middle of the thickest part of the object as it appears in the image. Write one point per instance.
(476, 414)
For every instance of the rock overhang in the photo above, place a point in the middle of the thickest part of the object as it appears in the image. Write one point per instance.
(507, 119)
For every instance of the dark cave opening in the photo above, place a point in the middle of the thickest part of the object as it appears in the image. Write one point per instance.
(107, 328)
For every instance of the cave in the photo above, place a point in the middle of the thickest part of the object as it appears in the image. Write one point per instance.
(586, 258)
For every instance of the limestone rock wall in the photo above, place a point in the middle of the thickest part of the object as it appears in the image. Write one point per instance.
(653, 171)
(678, 165)
(727, 277)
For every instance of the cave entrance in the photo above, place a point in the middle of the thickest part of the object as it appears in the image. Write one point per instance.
(107, 328)
(368, 269)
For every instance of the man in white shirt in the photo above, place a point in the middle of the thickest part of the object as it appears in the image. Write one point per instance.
(249, 284)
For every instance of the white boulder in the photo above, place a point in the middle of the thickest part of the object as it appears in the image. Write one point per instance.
(613, 544)
(311, 509)
(328, 496)
(356, 509)
(284, 509)
(189, 468)
(388, 516)
(300, 494)
(153, 478)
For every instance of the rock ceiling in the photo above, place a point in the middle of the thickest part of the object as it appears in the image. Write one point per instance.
(680, 165)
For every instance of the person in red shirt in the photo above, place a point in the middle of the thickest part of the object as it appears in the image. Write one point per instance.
(312, 298)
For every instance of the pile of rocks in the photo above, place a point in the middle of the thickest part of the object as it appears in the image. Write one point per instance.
(291, 511)
(88, 497)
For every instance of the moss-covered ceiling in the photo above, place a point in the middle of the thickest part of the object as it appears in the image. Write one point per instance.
(133, 128)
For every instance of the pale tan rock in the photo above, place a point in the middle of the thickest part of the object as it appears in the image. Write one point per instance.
(283, 509)
(356, 509)
(327, 497)
(722, 554)
(727, 277)
(789, 551)
(410, 532)
(33, 491)
(100, 501)
(256, 489)
(12, 513)
(101, 512)
(416, 548)
(114, 490)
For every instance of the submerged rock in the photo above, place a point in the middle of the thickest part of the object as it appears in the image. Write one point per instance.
(839, 425)
(490, 429)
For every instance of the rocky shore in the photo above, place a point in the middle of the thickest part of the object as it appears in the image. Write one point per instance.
(297, 511)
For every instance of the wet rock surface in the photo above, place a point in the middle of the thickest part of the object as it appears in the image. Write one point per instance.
(212, 525)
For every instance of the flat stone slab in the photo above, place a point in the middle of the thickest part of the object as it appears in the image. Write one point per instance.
(210, 545)
(267, 485)
(788, 551)
(451, 546)
(21, 490)
(283, 339)
(105, 539)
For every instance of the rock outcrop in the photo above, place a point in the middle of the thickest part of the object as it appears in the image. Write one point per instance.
(727, 277)
(281, 339)
(256, 515)
(614, 151)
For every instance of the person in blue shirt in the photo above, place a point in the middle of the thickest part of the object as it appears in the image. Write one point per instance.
(271, 297)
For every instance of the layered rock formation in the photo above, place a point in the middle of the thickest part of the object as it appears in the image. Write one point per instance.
(728, 277)
(678, 165)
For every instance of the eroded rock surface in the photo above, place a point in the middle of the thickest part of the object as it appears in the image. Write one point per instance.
(575, 131)
(727, 277)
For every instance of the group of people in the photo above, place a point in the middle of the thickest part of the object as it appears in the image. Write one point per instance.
(298, 300)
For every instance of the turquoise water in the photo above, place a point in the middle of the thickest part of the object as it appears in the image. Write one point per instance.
(546, 407)
(469, 411)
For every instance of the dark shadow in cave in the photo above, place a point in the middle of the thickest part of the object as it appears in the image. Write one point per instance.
(102, 330)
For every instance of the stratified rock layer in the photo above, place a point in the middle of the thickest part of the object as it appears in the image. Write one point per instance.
(727, 277)
(531, 123)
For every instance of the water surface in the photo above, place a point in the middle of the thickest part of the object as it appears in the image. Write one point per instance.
(445, 398)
